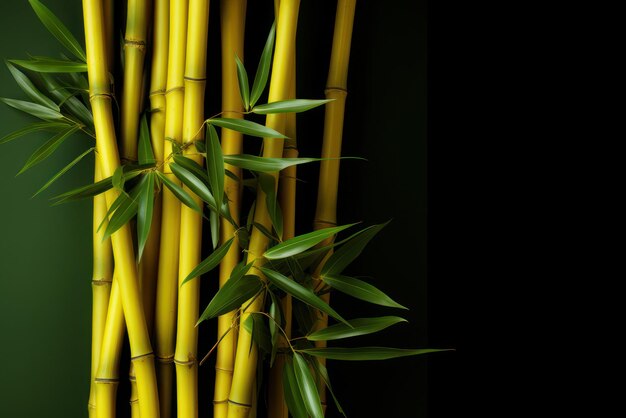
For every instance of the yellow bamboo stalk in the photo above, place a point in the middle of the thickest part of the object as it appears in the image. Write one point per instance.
(101, 286)
(185, 356)
(336, 88)
(123, 251)
(232, 19)
(240, 398)
(277, 407)
(167, 282)
(107, 376)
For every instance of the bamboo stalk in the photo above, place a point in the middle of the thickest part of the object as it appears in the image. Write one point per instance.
(101, 286)
(126, 271)
(240, 398)
(277, 407)
(232, 19)
(336, 88)
(167, 282)
(107, 377)
(185, 356)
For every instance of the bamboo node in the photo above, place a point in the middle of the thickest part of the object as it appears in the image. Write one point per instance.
(135, 43)
(329, 89)
(101, 282)
(140, 356)
(185, 363)
(165, 359)
(159, 92)
(179, 88)
(106, 380)
(219, 402)
(324, 222)
(245, 405)
(188, 78)
(221, 369)
(96, 95)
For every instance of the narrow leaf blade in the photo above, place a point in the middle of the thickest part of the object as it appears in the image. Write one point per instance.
(232, 295)
(58, 29)
(47, 149)
(264, 164)
(289, 106)
(33, 109)
(294, 401)
(144, 213)
(367, 353)
(263, 69)
(215, 165)
(145, 152)
(63, 171)
(242, 78)
(34, 127)
(303, 242)
(361, 290)
(210, 262)
(246, 127)
(359, 326)
(307, 386)
(179, 192)
(29, 88)
(49, 65)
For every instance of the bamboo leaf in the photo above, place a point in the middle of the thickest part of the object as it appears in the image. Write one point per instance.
(126, 210)
(321, 370)
(93, 189)
(200, 146)
(67, 99)
(144, 213)
(47, 149)
(307, 386)
(347, 253)
(33, 109)
(263, 69)
(289, 106)
(179, 192)
(303, 242)
(214, 226)
(244, 88)
(264, 164)
(145, 153)
(50, 65)
(118, 178)
(215, 166)
(34, 127)
(246, 127)
(29, 88)
(58, 29)
(265, 231)
(360, 326)
(232, 295)
(210, 262)
(268, 185)
(194, 167)
(294, 401)
(255, 325)
(63, 171)
(300, 292)
(367, 353)
(361, 290)
(276, 321)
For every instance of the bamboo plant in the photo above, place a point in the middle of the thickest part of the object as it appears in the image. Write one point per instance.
(175, 171)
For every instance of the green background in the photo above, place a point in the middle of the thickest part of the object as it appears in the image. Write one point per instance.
(45, 251)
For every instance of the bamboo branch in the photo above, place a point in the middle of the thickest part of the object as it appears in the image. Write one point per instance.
(240, 398)
(232, 19)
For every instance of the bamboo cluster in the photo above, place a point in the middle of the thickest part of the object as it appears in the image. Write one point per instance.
(162, 169)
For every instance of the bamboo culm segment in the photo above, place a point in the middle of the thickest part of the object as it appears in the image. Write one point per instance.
(232, 18)
(277, 406)
(101, 286)
(336, 88)
(123, 251)
(185, 356)
(240, 398)
(167, 283)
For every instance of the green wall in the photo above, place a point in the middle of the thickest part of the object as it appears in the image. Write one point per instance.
(45, 252)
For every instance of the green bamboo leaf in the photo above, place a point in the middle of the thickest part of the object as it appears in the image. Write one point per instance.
(360, 290)
(268, 185)
(34, 127)
(215, 165)
(58, 29)
(263, 69)
(307, 386)
(300, 292)
(360, 326)
(194, 167)
(47, 149)
(118, 178)
(265, 232)
(200, 146)
(277, 320)
(88, 190)
(289, 106)
(179, 192)
(294, 401)
(124, 213)
(66, 98)
(144, 213)
(29, 88)
(347, 253)
(214, 225)
(145, 153)
(244, 88)
(367, 353)
(63, 171)
(246, 127)
(303, 242)
(255, 325)
(322, 372)
(33, 109)
(116, 204)
(232, 295)
(264, 164)
(50, 65)
(210, 262)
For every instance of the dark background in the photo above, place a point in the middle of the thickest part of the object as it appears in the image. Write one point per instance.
(45, 254)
